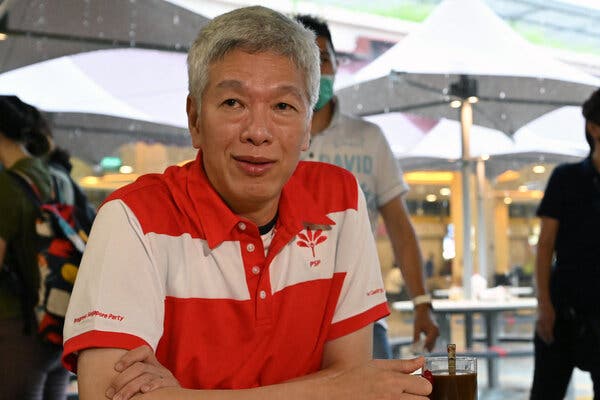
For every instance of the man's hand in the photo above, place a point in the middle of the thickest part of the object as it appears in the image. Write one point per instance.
(424, 323)
(544, 325)
(380, 379)
(139, 372)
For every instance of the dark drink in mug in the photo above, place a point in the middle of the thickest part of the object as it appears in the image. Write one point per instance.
(460, 384)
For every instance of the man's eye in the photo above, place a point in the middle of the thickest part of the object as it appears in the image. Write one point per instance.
(230, 102)
(283, 106)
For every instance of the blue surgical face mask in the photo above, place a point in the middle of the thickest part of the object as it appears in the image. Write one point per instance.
(325, 91)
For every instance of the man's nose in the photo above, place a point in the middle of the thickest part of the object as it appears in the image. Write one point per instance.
(257, 129)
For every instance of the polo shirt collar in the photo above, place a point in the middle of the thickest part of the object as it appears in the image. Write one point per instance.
(215, 217)
(297, 207)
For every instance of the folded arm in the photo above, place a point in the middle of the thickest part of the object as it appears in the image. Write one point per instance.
(347, 372)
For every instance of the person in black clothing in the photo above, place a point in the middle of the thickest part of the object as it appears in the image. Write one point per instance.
(567, 332)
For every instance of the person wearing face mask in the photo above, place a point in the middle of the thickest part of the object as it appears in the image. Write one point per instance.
(360, 147)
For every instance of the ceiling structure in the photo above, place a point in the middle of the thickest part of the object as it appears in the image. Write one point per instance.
(558, 20)
(554, 21)
(39, 30)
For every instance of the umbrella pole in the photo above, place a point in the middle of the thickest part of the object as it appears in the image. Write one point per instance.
(466, 121)
(485, 268)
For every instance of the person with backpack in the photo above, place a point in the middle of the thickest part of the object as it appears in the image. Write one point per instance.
(29, 368)
(58, 160)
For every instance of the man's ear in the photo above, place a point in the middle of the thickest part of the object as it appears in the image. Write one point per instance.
(193, 120)
(306, 141)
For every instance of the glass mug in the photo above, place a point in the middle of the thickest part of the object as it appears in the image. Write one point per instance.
(459, 386)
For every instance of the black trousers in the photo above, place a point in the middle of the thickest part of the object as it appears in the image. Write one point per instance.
(554, 363)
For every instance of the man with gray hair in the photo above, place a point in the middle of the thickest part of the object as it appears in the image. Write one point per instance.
(244, 274)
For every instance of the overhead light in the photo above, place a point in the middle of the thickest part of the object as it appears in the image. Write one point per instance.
(89, 180)
(431, 198)
(455, 103)
(532, 240)
(507, 200)
(539, 169)
(522, 188)
(508, 176)
(485, 157)
(126, 169)
(445, 191)
(429, 177)
(473, 99)
(3, 36)
(537, 194)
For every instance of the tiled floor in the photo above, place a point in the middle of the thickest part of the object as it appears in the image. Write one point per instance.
(515, 380)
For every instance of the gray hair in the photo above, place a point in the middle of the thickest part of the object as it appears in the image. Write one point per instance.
(254, 29)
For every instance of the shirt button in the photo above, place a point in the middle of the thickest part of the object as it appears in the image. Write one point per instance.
(242, 226)
(256, 270)
(262, 294)
(250, 247)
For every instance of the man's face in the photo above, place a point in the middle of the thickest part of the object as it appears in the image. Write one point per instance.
(253, 124)
(328, 60)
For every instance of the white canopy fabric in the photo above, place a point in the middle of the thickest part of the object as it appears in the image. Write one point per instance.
(147, 85)
(560, 132)
(441, 140)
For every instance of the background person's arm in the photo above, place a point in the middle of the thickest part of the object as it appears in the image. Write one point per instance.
(2, 251)
(408, 255)
(545, 249)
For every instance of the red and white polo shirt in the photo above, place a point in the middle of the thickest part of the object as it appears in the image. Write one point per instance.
(169, 265)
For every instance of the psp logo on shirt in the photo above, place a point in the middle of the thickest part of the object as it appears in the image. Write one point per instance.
(311, 239)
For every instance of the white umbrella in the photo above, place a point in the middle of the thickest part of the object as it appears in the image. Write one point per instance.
(437, 139)
(561, 131)
(118, 95)
(420, 141)
(464, 51)
(140, 84)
